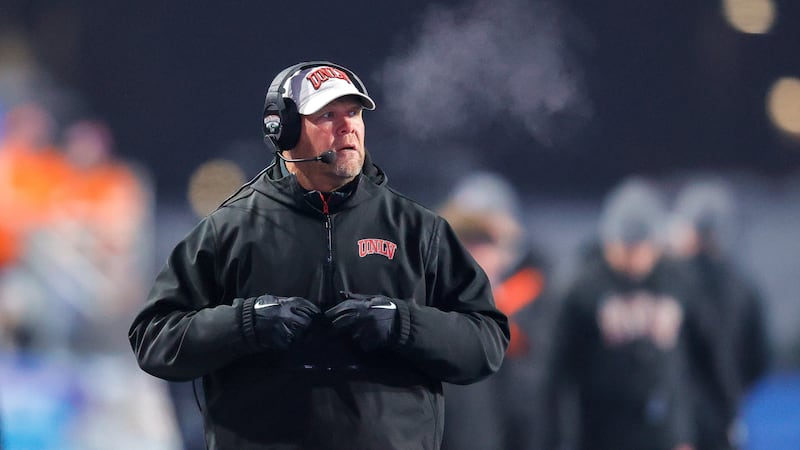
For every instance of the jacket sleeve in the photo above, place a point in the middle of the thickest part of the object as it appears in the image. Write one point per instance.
(183, 332)
(458, 335)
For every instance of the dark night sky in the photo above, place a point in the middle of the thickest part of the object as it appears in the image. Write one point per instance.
(671, 85)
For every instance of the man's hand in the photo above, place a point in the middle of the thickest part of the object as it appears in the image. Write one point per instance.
(279, 321)
(369, 319)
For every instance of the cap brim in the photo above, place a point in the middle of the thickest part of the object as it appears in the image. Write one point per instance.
(323, 98)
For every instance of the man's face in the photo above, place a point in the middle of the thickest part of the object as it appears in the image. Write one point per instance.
(633, 260)
(684, 241)
(338, 126)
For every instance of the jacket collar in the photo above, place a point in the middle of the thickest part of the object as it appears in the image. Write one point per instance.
(330, 202)
(278, 184)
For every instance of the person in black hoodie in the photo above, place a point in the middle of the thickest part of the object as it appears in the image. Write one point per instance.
(499, 413)
(728, 336)
(618, 345)
(322, 309)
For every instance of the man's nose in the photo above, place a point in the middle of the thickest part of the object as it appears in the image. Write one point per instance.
(346, 125)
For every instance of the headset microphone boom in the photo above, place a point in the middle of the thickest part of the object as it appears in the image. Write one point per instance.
(327, 157)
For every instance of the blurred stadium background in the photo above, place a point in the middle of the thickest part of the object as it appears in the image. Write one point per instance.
(563, 98)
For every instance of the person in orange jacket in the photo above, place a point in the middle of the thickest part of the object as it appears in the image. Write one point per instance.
(31, 169)
(497, 413)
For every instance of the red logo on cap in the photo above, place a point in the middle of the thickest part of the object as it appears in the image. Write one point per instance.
(324, 74)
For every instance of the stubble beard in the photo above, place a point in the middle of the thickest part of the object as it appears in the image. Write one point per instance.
(348, 168)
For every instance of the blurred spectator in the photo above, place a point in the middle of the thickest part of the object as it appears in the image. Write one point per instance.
(31, 168)
(74, 220)
(101, 214)
(104, 193)
(497, 413)
(727, 329)
(618, 343)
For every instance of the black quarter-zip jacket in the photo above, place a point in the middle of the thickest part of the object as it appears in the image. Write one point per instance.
(274, 238)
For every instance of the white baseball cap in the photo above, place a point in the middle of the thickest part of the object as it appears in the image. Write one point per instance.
(315, 87)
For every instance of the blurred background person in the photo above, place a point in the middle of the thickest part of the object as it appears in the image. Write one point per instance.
(78, 220)
(497, 413)
(76, 226)
(729, 343)
(618, 338)
(102, 227)
(31, 170)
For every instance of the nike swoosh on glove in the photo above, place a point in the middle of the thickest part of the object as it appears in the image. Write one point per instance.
(371, 320)
(279, 321)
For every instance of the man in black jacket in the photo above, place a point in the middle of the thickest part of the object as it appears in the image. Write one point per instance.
(727, 332)
(618, 347)
(321, 309)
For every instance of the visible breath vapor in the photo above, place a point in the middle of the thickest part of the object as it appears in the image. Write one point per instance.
(493, 59)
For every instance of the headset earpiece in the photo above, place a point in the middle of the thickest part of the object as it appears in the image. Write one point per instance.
(283, 128)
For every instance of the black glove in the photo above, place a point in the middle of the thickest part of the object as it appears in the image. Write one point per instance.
(279, 321)
(371, 320)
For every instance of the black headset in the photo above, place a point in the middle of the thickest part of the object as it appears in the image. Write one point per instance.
(281, 121)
